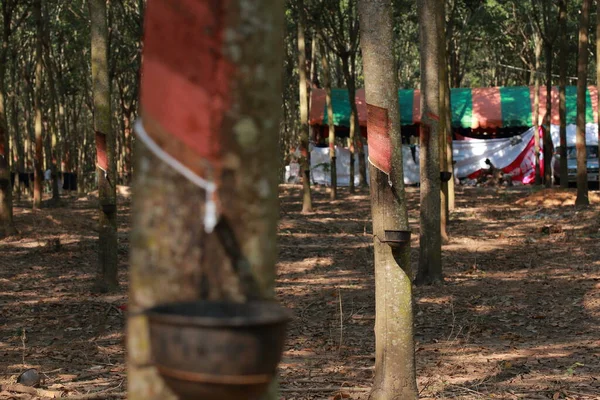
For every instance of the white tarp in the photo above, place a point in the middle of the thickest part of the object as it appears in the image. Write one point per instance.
(470, 155)
(591, 135)
(514, 155)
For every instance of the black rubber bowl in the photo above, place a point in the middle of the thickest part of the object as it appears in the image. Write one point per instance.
(218, 350)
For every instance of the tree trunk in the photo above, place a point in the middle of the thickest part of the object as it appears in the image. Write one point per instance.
(536, 108)
(582, 59)
(360, 140)
(444, 116)
(395, 376)
(331, 137)
(105, 151)
(304, 130)
(548, 148)
(37, 105)
(597, 65)
(6, 209)
(430, 257)
(354, 123)
(564, 53)
(52, 138)
(191, 262)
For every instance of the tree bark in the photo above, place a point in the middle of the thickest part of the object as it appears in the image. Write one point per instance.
(395, 376)
(536, 108)
(6, 208)
(430, 256)
(354, 122)
(582, 59)
(547, 118)
(564, 169)
(190, 263)
(105, 150)
(597, 65)
(52, 138)
(444, 116)
(37, 105)
(307, 206)
(331, 137)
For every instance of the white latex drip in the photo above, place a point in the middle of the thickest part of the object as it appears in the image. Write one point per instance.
(210, 208)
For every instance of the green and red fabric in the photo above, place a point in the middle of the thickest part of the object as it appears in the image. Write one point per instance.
(475, 108)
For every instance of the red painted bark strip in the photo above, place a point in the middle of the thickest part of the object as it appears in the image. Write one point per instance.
(185, 81)
(380, 149)
(101, 156)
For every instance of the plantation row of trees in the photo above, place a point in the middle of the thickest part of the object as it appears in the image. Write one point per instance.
(477, 44)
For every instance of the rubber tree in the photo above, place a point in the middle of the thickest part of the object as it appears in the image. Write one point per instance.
(548, 31)
(445, 127)
(430, 256)
(395, 376)
(582, 60)
(537, 43)
(331, 137)
(37, 106)
(597, 65)
(228, 57)
(304, 129)
(562, 105)
(105, 150)
(6, 209)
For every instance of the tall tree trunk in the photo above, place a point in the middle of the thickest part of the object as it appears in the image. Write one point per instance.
(548, 117)
(105, 150)
(354, 123)
(331, 137)
(190, 262)
(430, 257)
(597, 65)
(444, 116)
(37, 105)
(582, 60)
(537, 40)
(52, 138)
(304, 129)
(564, 169)
(6, 208)
(449, 148)
(360, 140)
(395, 376)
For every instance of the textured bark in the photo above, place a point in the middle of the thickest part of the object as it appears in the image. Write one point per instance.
(395, 376)
(107, 243)
(564, 169)
(354, 123)
(444, 116)
(597, 63)
(37, 105)
(430, 256)
(52, 138)
(6, 211)
(331, 137)
(304, 130)
(536, 107)
(188, 263)
(547, 137)
(582, 59)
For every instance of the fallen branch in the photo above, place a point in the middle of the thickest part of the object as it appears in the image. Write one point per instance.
(99, 396)
(18, 388)
(326, 389)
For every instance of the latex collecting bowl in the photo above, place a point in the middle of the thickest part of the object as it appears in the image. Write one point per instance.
(218, 350)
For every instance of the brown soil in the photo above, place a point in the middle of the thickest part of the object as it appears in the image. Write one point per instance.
(517, 318)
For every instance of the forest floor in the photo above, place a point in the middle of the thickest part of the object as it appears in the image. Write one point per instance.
(517, 317)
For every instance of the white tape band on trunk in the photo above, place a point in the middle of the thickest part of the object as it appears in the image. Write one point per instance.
(210, 208)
